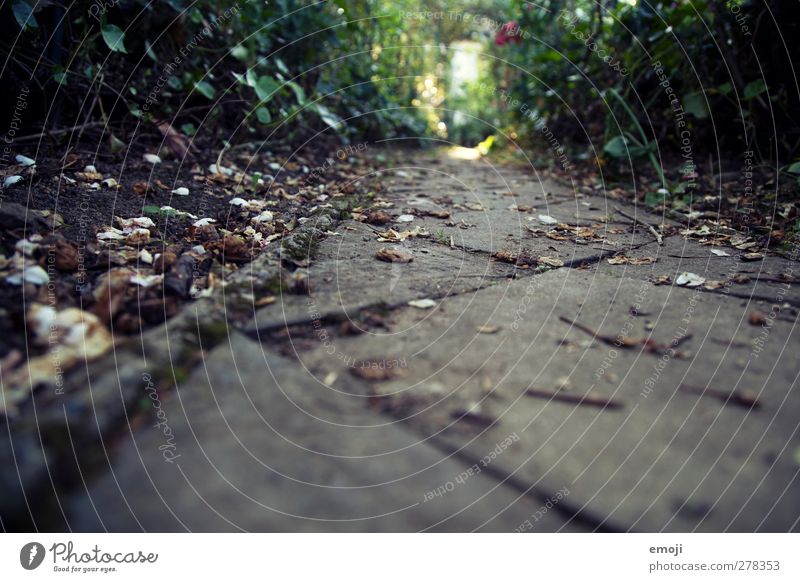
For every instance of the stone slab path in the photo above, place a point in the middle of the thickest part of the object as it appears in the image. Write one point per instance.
(594, 395)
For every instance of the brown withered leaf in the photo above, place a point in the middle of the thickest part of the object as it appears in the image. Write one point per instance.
(109, 293)
(623, 260)
(376, 370)
(65, 255)
(488, 328)
(522, 259)
(550, 261)
(390, 255)
(438, 213)
(177, 142)
(235, 249)
(141, 188)
(553, 235)
(378, 217)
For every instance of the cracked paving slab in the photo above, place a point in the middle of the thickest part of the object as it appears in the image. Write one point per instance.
(346, 277)
(256, 443)
(484, 216)
(666, 459)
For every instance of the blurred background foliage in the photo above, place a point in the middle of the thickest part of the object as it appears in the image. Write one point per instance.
(577, 71)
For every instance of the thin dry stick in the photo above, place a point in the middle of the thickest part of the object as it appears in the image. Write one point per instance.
(659, 238)
(744, 398)
(626, 342)
(585, 400)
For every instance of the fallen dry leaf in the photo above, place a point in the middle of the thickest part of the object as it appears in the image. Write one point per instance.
(687, 279)
(488, 328)
(378, 217)
(379, 369)
(390, 255)
(177, 142)
(547, 219)
(72, 336)
(392, 235)
(550, 261)
(623, 260)
(438, 213)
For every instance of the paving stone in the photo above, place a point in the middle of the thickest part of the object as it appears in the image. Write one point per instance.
(666, 459)
(346, 277)
(263, 446)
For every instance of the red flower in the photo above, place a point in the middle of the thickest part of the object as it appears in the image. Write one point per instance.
(509, 32)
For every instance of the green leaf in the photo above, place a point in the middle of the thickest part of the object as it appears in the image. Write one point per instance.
(113, 37)
(188, 128)
(205, 89)
(266, 87)
(754, 89)
(24, 14)
(330, 119)
(239, 52)
(621, 147)
(281, 66)
(794, 168)
(725, 88)
(299, 92)
(148, 49)
(695, 104)
(654, 198)
(617, 147)
(263, 115)
(117, 145)
(153, 209)
(60, 77)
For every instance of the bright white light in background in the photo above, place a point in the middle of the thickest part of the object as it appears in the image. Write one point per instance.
(464, 64)
(630, 2)
(463, 70)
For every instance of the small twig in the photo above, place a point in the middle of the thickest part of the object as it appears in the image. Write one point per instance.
(648, 344)
(659, 238)
(509, 276)
(474, 417)
(59, 131)
(745, 398)
(776, 280)
(585, 400)
(730, 343)
(219, 159)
